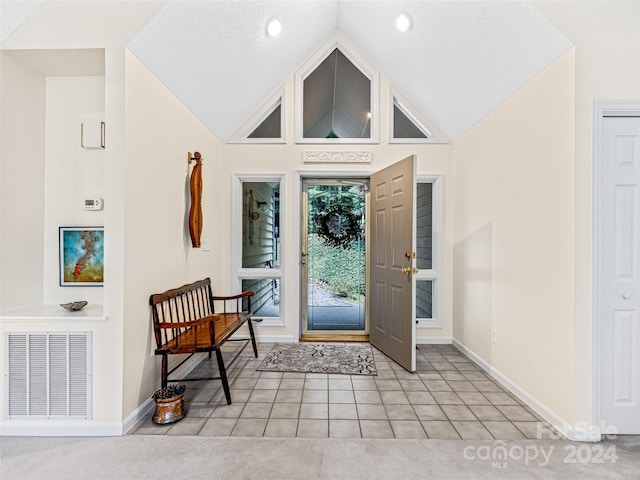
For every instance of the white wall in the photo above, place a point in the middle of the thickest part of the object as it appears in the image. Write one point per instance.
(107, 25)
(160, 132)
(148, 136)
(607, 48)
(71, 174)
(158, 255)
(288, 160)
(514, 238)
(606, 36)
(21, 182)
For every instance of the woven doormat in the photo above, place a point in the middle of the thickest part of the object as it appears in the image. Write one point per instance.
(347, 359)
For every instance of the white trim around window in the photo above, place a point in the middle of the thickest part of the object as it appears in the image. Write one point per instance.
(275, 101)
(240, 273)
(339, 41)
(421, 123)
(435, 273)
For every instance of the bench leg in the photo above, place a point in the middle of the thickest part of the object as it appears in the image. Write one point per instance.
(253, 338)
(164, 370)
(223, 376)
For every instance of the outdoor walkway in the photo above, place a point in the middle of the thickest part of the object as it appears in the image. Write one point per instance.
(326, 311)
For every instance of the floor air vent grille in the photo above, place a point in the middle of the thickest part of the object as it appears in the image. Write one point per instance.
(48, 375)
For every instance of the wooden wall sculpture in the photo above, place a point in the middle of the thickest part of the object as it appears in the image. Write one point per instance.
(195, 211)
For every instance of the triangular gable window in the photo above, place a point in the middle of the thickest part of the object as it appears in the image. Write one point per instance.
(271, 127)
(409, 127)
(403, 127)
(266, 125)
(336, 97)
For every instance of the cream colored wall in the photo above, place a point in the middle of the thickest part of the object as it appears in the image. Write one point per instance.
(108, 25)
(22, 113)
(160, 131)
(287, 160)
(71, 174)
(514, 237)
(606, 35)
(494, 280)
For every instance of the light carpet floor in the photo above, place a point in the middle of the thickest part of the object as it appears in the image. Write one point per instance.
(150, 457)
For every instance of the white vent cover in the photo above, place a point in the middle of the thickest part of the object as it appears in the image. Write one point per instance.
(48, 374)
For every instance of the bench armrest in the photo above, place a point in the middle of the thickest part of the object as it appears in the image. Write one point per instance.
(237, 298)
(233, 297)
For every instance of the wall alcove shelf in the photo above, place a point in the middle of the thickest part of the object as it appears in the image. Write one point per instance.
(52, 312)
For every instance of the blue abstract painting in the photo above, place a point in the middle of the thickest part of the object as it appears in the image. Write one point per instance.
(81, 256)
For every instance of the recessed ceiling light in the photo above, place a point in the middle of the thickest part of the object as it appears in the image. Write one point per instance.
(404, 22)
(274, 27)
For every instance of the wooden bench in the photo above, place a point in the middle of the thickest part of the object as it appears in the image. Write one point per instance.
(185, 322)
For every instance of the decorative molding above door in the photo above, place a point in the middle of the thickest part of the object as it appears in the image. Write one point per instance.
(336, 157)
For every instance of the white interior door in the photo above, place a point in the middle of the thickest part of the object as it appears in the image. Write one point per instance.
(392, 327)
(620, 270)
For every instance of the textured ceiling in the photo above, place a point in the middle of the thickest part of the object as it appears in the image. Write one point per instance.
(462, 58)
(460, 61)
(13, 13)
(217, 59)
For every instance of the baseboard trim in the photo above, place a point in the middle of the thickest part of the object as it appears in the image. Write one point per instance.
(276, 338)
(434, 340)
(58, 428)
(541, 409)
(138, 414)
(145, 408)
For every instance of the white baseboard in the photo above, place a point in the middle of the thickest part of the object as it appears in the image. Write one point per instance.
(145, 408)
(86, 428)
(188, 366)
(138, 414)
(541, 409)
(58, 428)
(275, 338)
(434, 340)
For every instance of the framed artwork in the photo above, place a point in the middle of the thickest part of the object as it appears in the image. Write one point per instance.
(82, 256)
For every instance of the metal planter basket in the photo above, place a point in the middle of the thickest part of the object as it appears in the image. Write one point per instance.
(169, 404)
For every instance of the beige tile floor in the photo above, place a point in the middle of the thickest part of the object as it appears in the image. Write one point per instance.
(449, 397)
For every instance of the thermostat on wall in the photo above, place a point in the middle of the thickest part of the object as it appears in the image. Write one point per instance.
(93, 204)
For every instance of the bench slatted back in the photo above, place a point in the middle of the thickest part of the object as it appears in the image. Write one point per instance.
(179, 305)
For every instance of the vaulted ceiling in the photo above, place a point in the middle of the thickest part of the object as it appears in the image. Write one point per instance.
(460, 60)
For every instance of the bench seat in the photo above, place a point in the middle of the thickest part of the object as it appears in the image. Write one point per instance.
(198, 337)
(185, 321)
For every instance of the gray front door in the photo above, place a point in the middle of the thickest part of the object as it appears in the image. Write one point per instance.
(392, 326)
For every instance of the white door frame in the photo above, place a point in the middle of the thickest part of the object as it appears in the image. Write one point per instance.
(297, 216)
(600, 109)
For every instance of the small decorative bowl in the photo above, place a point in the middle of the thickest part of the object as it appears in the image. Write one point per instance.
(74, 306)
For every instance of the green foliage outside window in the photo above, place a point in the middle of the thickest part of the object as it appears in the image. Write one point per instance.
(342, 269)
(336, 243)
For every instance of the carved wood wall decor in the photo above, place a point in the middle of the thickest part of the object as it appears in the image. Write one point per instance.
(195, 211)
